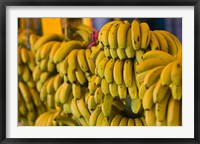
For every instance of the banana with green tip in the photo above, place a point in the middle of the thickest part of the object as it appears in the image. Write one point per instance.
(136, 34)
(121, 53)
(122, 34)
(136, 105)
(145, 35)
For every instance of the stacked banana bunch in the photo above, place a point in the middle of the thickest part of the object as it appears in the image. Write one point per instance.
(132, 77)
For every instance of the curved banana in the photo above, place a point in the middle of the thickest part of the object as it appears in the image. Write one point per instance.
(105, 87)
(121, 53)
(90, 62)
(72, 59)
(54, 48)
(107, 105)
(154, 44)
(145, 35)
(122, 91)
(113, 88)
(98, 95)
(123, 121)
(128, 73)
(94, 115)
(130, 52)
(162, 41)
(136, 34)
(176, 73)
(118, 71)
(76, 90)
(45, 50)
(65, 92)
(150, 117)
(116, 120)
(108, 73)
(81, 57)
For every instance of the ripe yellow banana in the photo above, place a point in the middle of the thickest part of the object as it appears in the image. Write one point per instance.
(139, 56)
(95, 51)
(90, 62)
(162, 41)
(31, 62)
(108, 73)
(35, 97)
(128, 73)
(105, 87)
(173, 112)
(147, 101)
(98, 95)
(44, 76)
(65, 92)
(64, 66)
(176, 91)
(50, 101)
(91, 85)
(145, 35)
(57, 82)
(136, 105)
(107, 105)
(81, 57)
(24, 92)
(116, 120)
(84, 35)
(72, 59)
(113, 53)
(136, 34)
(166, 74)
(118, 71)
(118, 104)
(71, 75)
(121, 53)
(154, 43)
(74, 108)
(76, 90)
(107, 52)
(99, 58)
(24, 55)
(176, 73)
(94, 115)
(113, 88)
(133, 90)
(161, 108)
(54, 48)
(152, 76)
(98, 81)
(45, 50)
(67, 105)
(26, 75)
(91, 103)
(80, 76)
(150, 117)
(122, 91)
(123, 121)
(142, 91)
(36, 73)
(21, 105)
(130, 52)
(43, 64)
(159, 92)
(138, 122)
(131, 122)
(65, 49)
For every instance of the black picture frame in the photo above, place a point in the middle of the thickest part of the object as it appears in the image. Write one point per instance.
(5, 3)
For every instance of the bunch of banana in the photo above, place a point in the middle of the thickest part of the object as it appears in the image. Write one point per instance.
(29, 103)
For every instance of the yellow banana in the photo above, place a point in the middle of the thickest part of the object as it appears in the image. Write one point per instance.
(176, 91)
(44, 76)
(138, 122)
(108, 73)
(123, 121)
(95, 51)
(43, 64)
(142, 91)
(90, 62)
(35, 97)
(121, 53)
(24, 55)
(84, 35)
(105, 87)
(121, 34)
(130, 52)
(131, 122)
(128, 73)
(67, 105)
(45, 50)
(80, 76)
(65, 92)
(39, 85)
(92, 85)
(74, 108)
(145, 35)
(57, 82)
(43, 92)
(65, 49)
(136, 34)
(98, 81)
(113, 88)
(21, 105)
(140, 78)
(173, 112)
(54, 48)
(118, 71)
(166, 74)
(107, 52)
(99, 58)
(122, 91)
(136, 105)
(116, 120)
(76, 90)
(94, 115)
(176, 73)
(50, 101)
(162, 41)
(154, 44)
(26, 75)
(81, 57)
(133, 90)
(107, 105)
(163, 123)
(72, 59)
(118, 104)
(147, 101)
(31, 62)
(64, 66)
(85, 28)
(36, 73)
(98, 95)
(113, 53)
(24, 92)
(101, 67)
(150, 117)
(71, 75)
(139, 56)
(91, 103)
(161, 108)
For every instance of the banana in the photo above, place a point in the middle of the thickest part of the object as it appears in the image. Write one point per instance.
(163, 123)
(57, 96)
(152, 76)
(130, 52)
(37, 54)
(101, 67)
(98, 95)
(43, 64)
(107, 105)
(31, 83)
(99, 58)
(39, 85)
(57, 82)
(113, 88)
(65, 49)
(44, 76)
(76, 90)
(172, 48)
(46, 38)
(83, 122)
(95, 51)
(140, 78)
(80, 76)
(173, 112)
(54, 48)
(21, 105)
(83, 109)
(107, 52)
(122, 91)
(71, 75)
(142, 91)
(67, 105)
(136, 105)
(139, 56)
(128, 73)
(45, 50)
(118, 71)
(66, 121)
(123, 121)
(133, 90)
(161, 108)
(150, 117)
(176, 73)
(43, 92)
(82, 60)
(90, 62)
(35, 97)
(85, 28)
(98, 81)
(158, 54)
(162, 41)
(147, 101)
(138, 122)
(84, 35)
(26, 75)
(136, 34)
(166, 74)
(108, 73)
(64, 66)
(32, 40)
(122, 34)
(72, 59)
(104, 33)
(176, 91)
(65, 92)
(154, 43)
(50, 101)
(116, 120)
(119, 105)
(131, 122)
(145, 35)
(31, 116)
(105, 122)
(41, 120)
(105, 87)
(91, 103)
(159, 92)
(94, 116)
(92, 85)
(24, 55)
(113, 53)
(31, 62)
(74, 108)
(100, 119)
(150, 64)
(24, 92)
(121, 53)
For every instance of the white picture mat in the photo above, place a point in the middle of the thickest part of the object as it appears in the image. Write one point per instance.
(184, 12)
